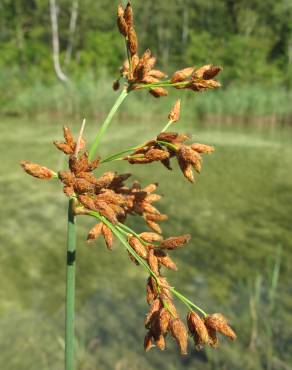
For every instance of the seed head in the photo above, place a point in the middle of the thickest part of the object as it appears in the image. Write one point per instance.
(219, 323)
(202, 148)
(37, 170)
(148, 341)
(207, 72)
(175, 112)
(157, 154)
(94, 232)
(157, 92)
(165, 260)
(180, 334)
(163, 320)
(122, 25)
(157, 73)
(175, 242)
(154, 308)
(108, 236)
(151, 290)
(153, 262)
(150, 237)
(197, 329)
(128, 15)
(132, 41)
(138, 246)
(182, 74)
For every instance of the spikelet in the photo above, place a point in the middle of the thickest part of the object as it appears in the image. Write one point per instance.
(82, 186)
(138, 246)
(197, 329)
(37, 170)
(150, 237)
(163, 320)
(94, 232)
(207, 72)
(186, 169)
(128, 15)
(175, 242)
(154, 308)
(132, 41)
(105, 180)
(154, 226)
(66, 177)
(180, 334)
(157, 73)
(157, 154)
(202, 148)
(182, 74)
(108, 236)
(175, 112)
(165, 260)
(151, 292)
(157, 92)
(153, 262)
(219, 323)
(122, 25)
(148, 341)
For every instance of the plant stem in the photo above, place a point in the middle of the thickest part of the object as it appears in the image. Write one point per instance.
(70, 289)
(116, 156)
(106, 123)
(166, 126)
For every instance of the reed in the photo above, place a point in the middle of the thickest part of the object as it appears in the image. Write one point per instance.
(110, 202)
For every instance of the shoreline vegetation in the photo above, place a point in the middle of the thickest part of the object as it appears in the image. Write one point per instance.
(233, 104)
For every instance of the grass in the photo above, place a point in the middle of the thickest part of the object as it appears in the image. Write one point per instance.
(238, 215)
(86, 96)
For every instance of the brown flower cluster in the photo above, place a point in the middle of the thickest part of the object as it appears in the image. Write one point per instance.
(162, 317)
(196, 79)
(106, 194)
(139, 71)
(172, 144)
(111, 198)
(204, 330)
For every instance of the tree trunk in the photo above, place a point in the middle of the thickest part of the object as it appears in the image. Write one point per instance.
(72, 28)
(55, 40)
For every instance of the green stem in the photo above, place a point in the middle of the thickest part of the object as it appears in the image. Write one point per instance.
(116, 156)
(187, 302)
(70, 289)
(162, 84)
(106, 123)
(166, 126)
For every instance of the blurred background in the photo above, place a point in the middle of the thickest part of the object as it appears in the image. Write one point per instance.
(58, 60)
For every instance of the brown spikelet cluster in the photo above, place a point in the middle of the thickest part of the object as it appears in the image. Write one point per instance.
(37, 170)
(204, 330)
(139, 72)
(107, 194)
(172, 144)
(196, 79)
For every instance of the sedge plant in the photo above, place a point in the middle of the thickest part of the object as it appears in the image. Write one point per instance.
(106, 198)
